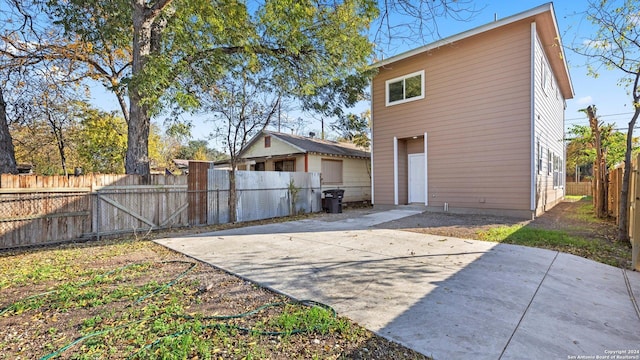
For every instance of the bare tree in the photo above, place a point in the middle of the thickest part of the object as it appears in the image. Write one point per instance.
(411, 22)
(616, 46)
(242, 107)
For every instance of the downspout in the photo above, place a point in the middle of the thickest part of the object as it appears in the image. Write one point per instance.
(533, 119)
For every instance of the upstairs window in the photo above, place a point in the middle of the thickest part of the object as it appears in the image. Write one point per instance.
(267, 141)
(405, 88)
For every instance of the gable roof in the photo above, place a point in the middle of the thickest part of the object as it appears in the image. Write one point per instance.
(549, 35)
(311, 145)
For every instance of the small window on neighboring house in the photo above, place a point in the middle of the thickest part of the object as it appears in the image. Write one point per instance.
(285, 165)
(405, 88)
(331, 172)
(549, 162)
(267, 141)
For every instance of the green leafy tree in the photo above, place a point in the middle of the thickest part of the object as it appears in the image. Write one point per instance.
(198, 150)
(102, 142)
(355, 129)
(616, 46)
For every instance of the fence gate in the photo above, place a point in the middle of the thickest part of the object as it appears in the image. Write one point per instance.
(197, 188)
(122, 209)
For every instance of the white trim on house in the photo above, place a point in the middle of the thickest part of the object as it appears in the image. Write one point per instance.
(371, 145)
(395, 170)
(534, 176)
(426, 173)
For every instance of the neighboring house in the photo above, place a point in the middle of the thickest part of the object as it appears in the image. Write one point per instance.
(474, 122)
(341, 165)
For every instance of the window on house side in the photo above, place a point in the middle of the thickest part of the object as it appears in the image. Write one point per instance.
(549, 162)
(285, 165)
(545, 74)
(539, 158)
(267, 141)
(557, 171)
(405, 88)
(331, 172)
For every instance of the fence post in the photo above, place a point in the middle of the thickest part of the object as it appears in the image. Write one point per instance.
(98, 215)
(217, 206)
(634, 214)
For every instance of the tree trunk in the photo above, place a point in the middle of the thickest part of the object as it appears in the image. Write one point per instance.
(599, 167)
(137, 158)
(7, 153)
(623, 210)
(232, 194)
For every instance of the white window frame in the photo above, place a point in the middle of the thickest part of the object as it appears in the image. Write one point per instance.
(545, 75)
(558, 172)
(539, 160)
(402, 78)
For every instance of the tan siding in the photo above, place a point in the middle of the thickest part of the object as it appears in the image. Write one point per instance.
(477, 115)
(277, 147)
(415, 146)
(356, 178)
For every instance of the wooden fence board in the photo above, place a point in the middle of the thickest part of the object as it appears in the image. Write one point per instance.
(36, 210)
(634, 215)
(581, 188)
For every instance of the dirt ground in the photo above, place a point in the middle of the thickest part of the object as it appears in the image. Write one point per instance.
(562, 217)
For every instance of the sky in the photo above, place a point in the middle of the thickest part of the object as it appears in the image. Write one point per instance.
(612, 101)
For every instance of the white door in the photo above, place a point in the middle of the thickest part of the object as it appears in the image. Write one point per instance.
(416, 178)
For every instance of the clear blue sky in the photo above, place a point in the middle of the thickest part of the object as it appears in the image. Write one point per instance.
(610, 99)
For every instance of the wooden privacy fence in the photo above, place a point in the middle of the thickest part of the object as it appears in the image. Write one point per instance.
(36, 210)
(615, 187)
(578, 188)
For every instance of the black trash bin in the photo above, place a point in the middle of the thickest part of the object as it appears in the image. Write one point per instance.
(332, 202)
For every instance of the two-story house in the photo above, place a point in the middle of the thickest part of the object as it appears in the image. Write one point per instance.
(474, 123)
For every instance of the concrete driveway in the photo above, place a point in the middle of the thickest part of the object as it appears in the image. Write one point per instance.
(444, 297)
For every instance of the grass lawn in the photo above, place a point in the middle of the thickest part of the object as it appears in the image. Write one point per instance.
(578, 234)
